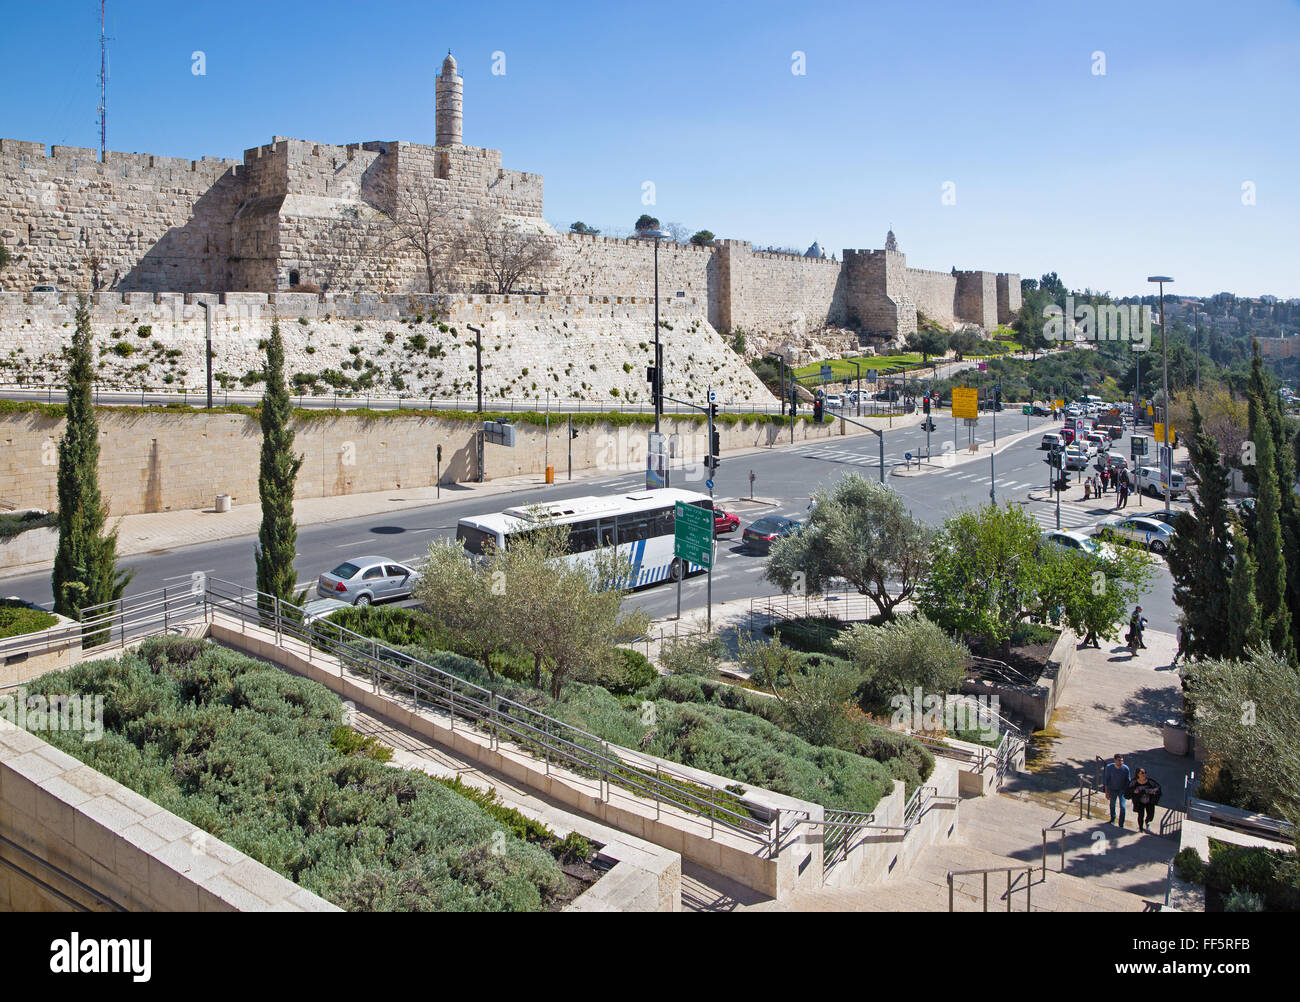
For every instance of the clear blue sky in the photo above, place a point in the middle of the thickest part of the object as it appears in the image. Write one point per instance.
(1104, 179)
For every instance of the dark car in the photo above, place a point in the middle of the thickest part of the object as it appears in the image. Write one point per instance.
(767, 530)
(724, 521)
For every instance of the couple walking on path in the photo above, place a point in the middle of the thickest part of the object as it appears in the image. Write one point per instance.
(1120, 785)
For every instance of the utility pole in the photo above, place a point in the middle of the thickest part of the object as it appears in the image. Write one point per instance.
(103, 86)
(572, 436)
(207, 326)
(1166, 456)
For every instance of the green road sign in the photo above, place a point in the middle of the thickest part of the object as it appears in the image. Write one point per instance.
(693, 534)
(1026, 409)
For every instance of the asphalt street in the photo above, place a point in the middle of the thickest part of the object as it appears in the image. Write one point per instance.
(783, 475)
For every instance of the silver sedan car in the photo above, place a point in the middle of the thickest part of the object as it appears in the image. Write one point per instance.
(1155, 535)
(363, 580)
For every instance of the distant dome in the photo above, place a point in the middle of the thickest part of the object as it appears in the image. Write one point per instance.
(449, 64)
(815, 251)
(891, 242)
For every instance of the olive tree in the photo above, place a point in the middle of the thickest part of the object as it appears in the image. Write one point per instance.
(464, 600)
(566, 614)
(861, 533)
(908, 653)
(1246, 714)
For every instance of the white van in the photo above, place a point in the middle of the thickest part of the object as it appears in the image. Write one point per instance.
(1149, 480)
(1051, 441)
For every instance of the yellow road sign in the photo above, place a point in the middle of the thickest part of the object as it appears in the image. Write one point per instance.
(965, 402)
(1159, 435)
(1059, 403)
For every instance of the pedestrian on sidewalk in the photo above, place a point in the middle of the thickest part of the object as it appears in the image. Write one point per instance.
(1145, 792)
(1087, 489)
(1115, 780)
(1182, 641)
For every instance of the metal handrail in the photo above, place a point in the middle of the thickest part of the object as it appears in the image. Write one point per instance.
(558, 740)
(1045, 831)
(1008, 870)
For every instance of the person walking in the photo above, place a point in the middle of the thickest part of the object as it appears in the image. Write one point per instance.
(1145, 792)
(1136, 624)
(812, 506)
(1182, 641)
(1087, 489)
(1115, 780)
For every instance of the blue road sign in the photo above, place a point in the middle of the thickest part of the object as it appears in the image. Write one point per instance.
(709, 484)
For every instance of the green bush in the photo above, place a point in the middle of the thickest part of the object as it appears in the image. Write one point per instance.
(900, 656)
(12, 523)
(17, 618)
(632, 672)
(252, 755)
(1189, 866)
(1243, 901)
(124, 349)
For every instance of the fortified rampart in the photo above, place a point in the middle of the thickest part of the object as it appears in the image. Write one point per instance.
(338, 217)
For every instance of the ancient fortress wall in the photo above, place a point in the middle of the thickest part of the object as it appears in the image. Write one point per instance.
(589, 348)
(977, 298)
(153, 221)
(777, 293)
(934, 293)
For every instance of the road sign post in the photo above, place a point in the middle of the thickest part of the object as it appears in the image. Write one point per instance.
(692, 544)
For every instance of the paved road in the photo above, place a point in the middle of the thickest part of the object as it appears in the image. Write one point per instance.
(786, 475)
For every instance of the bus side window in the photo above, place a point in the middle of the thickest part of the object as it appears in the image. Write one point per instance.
(634, 528)
(582, 537)
(607, 534)
(665, 522)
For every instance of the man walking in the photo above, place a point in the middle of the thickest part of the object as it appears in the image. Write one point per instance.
(1115, 780)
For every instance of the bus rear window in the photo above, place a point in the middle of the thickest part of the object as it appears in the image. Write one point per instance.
(475, 541)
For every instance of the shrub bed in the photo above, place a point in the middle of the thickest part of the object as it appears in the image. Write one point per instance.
(18, 617)
(673, 721)
(12, 523)
(255, 757)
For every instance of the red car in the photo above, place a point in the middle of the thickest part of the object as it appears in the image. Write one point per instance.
(724, 521)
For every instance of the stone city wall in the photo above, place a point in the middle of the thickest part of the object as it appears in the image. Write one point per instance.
(589, 348)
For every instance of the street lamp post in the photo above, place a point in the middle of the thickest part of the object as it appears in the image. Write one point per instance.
(1160, 280)
(656, 235)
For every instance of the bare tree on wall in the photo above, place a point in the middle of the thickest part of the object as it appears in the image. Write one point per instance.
(425, 221)
(679, 232)
(511, 250)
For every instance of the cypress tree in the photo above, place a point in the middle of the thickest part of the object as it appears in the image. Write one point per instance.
(1270, 578)
(85, 564)
(1245, 627)
(1200, 559)
(277, 539)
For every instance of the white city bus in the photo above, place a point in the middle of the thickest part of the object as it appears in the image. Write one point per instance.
(641, 525)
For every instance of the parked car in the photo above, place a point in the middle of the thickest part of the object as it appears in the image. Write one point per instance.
(724, 521)
(767, 530)
(1075, 458)
(1078, 542)
(1155, 535)
(1150, 480)
(1051, 440)
(363, 580)
(834, 401)
(1038, 410)
(1167, 517)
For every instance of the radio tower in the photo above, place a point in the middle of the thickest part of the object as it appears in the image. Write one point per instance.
(103, 84)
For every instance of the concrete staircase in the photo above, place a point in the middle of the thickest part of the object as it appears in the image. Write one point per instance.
(1106, 869)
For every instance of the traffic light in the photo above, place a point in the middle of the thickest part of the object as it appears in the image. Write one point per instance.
(817, 410)
(794, 400)
(997, 397)
(925, 403)
(573, 432)
(652, 377)
(716, 443)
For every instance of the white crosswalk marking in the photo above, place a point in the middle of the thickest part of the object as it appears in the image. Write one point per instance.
(1071, 518)
(842, 456)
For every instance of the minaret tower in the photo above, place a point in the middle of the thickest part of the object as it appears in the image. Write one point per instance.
(450, 94)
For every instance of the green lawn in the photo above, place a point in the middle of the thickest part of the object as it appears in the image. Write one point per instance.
(16, 618)
(842, 368)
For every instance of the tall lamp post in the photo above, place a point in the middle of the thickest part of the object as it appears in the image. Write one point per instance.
(1167, 471)
(656, 235)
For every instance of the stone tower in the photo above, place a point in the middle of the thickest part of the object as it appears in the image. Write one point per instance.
(450, 94)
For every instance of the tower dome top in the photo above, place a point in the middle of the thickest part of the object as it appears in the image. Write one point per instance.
(449, 64)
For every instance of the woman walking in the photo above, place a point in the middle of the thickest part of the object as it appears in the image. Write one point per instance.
(1145, 792)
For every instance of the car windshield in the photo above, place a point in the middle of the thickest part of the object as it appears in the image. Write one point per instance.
(344, 571)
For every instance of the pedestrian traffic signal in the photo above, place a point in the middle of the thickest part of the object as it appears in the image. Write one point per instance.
(817, 410)
(652, 377)
(716, 443)
(925, 403)
(573, 432)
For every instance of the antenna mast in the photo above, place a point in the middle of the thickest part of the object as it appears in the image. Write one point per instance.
(103, 84)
